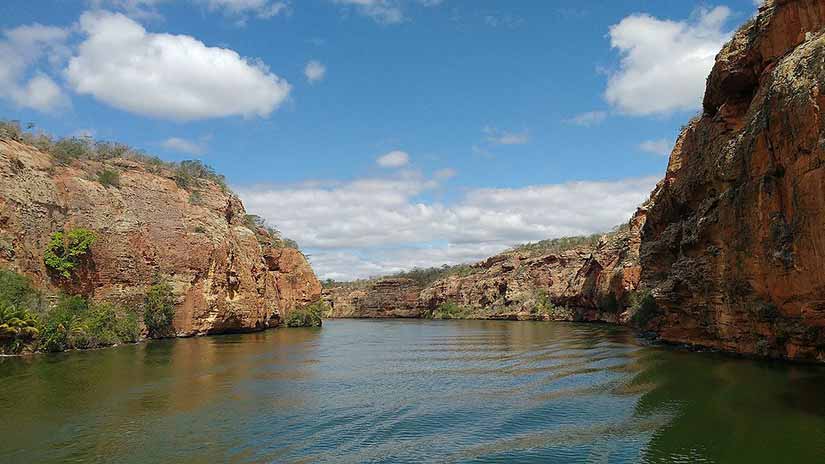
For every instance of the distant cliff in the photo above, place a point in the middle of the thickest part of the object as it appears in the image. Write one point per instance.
(587, 280)
(152, 222)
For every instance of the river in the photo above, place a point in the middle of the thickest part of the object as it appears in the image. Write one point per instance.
(409, 391)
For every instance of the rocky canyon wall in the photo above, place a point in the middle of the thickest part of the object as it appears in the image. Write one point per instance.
(733, 249)
(148, 228)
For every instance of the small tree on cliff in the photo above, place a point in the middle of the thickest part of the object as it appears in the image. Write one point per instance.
(159, 310)
(66, 250)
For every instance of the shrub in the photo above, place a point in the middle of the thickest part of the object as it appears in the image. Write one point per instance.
(10, 130)
(66, 249)
(159, 310)
(18, 328)
(200, 229)
(308, 316)
(63, 324)
(17, 290)
(450, 310)
(643, 306)
(70, 149)
(109, 178)
(195, 198)
(74, 323)
(188, 171)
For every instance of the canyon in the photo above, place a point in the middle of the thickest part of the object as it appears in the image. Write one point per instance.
(728, 253)
(227, 274)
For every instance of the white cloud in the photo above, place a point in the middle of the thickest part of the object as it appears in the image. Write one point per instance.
(659, 147)
(315, 71)
(185, 145)
(240, 10)
(588, 119)
(23, 52)
(506, 137)
(261, 8)
(393, 159)
(385, 11)
(664, 63)
(168, 76)
(374, 226)
(382, 11)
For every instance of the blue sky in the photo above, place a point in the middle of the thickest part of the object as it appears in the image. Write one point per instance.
(382, 134)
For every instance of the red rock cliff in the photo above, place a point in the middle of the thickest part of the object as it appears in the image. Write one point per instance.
(734, 245)
(148, 227)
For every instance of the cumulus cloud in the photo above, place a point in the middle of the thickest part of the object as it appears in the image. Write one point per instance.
(168, 76)
(374, 226)
(506, 137)
(183, 145)
(659, 147)
(315, 71)
(664, 63)
(588, 119)
(24, 52)
(393, 159)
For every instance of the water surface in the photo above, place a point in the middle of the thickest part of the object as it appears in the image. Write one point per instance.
(409, 391)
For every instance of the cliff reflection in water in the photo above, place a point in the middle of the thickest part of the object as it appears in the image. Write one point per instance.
(409, 391)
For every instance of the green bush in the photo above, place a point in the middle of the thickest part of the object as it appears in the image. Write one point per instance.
(308, 316)
(17, 290)
(63, 325)
(18, 328)
(643, 307)
(74, 323)
(159, 310)
(109, 178)
(189, 171)
(70, 149)
(450, 310)
(66, 250)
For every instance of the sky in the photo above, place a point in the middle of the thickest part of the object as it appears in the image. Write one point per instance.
(382, 135)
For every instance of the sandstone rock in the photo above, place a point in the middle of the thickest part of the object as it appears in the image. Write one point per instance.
(384, 298)
(733, 246)
(583, 284)
(148, 228)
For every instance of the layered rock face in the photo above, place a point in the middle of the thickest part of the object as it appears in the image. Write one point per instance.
(734, 245)
(148, 228)
(389, 297)
(582, 284)
(586, 283)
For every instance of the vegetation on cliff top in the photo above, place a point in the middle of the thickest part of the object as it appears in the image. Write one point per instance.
(187, 174)
(266, 234)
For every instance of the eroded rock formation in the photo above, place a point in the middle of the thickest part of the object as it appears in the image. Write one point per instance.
(734, 245)
(388, 297)
(148, 228)
(589, 283)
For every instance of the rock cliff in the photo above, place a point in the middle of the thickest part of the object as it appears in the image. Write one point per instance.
(733, 249)
(729, 253)
(585, 283)
(148, 227)
(388, 297)
(588, 282)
